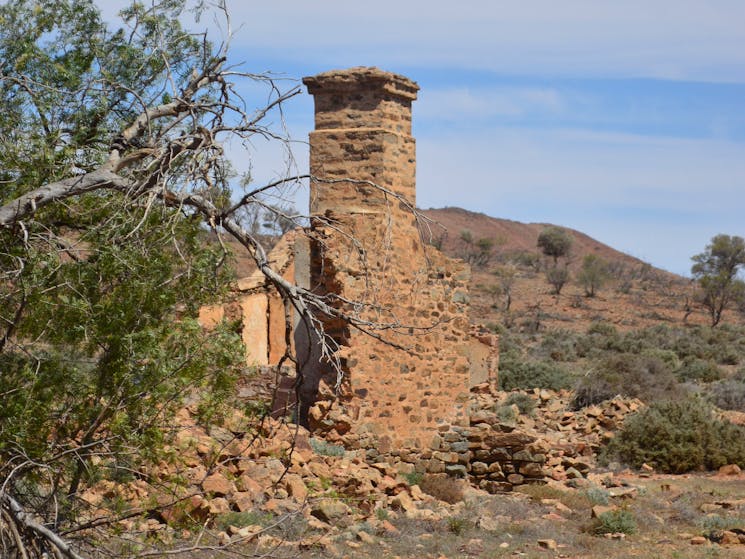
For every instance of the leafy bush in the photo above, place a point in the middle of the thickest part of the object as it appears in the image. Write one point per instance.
(458, 524)
(728, 394)
(667, 356)
(413, 478)
(523, 401)
(597, 495)
(515, 374)
(636, 376)
(620, 521)
(324, 448)
(506, 415)
(699, 370)
(557, 277)
(558, 345)
(677, 437)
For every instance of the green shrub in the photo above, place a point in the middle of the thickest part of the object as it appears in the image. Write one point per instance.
(620, 521)
(728, 394)
(667, 356)
(458, 524)
(602, 329)
(516, 374)
(678, 437)
(694, 369)
(325, 448)
(524, 402)
(635, 376)
(506, 414)
(597, 495)
(413, 478)
(558, 345)
(714, 522)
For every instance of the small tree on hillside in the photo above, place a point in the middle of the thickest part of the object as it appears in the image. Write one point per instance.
(557, 277)
(593, 274)
(477, 252)
(716, 271)
(506, 276)
(555, 242)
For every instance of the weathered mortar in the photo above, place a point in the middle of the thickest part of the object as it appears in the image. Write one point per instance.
(367, 248)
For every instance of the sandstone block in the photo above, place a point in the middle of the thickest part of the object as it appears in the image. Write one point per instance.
(217, 484)
(403, 502)
(730, 470)
(330, 511)
(515, 479)
(296, 487)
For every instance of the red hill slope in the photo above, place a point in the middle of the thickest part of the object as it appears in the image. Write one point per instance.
(635, 294)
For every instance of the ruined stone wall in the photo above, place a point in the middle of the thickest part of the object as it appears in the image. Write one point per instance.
(369, 258)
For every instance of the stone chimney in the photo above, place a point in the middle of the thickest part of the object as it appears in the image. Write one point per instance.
(363, 132)
(368, 258)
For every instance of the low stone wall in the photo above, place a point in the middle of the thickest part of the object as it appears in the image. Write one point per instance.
(490, 455)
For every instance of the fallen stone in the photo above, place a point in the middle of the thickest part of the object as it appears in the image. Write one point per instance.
(367, 538)
(597, 510)
(217, 484)
(219, 505)
(296, 487)
(730, 470)
(403, 502)
(548, 544)
(729, 538)
(330, 510)
(488, 523)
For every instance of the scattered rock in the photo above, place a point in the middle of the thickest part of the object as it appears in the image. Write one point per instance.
(548, 544)
(730, 470)
(330, 510)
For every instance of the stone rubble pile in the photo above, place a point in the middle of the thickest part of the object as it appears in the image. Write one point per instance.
(352, 495)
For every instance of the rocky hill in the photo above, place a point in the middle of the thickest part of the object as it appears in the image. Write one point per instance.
(510, 287)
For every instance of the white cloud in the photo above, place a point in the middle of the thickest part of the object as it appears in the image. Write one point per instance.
(460, 103)
(674, 39)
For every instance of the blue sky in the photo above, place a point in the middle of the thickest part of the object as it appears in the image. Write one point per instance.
(624, 120)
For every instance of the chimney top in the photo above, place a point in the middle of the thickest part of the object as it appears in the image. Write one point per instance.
(361, 77)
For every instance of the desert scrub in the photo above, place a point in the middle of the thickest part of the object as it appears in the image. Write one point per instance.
(413, 478)
(506, 414)
(242, 519)
(458, 524)
(701, 370)
(677, 437)
(557, 345)
(728, 394)
(324, 448)
(519, 374)
(620, 521)
(627, 374)
(442, 487)
(524, 402)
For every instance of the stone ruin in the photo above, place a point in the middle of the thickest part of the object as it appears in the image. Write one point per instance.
(412, 364)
